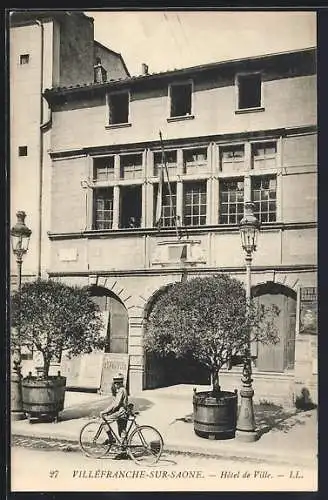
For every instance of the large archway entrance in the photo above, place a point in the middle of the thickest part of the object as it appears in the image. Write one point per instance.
(163, 372)
(281, 356)
(115, 319)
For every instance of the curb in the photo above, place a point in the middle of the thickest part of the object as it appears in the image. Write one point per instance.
(72, 445)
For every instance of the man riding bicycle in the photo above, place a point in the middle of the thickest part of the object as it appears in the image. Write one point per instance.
(117, 410)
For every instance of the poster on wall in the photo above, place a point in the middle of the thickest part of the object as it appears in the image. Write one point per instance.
(308, 311)
(90, 370)
(113, 363)
(70, 368)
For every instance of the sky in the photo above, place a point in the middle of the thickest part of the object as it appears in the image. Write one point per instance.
(175, 39)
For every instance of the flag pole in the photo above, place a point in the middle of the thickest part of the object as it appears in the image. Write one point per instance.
(169, 186)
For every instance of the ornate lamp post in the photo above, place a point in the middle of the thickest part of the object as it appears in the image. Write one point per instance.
(20, 237)
(249, 228)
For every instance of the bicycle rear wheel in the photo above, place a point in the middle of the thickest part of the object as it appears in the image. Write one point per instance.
(93, 437)
(145, 445)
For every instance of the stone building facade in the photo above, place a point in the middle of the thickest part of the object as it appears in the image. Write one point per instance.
(232, 131)
(46, 49)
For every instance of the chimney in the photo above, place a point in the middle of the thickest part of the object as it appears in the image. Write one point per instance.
(144, 69)
(100, 74)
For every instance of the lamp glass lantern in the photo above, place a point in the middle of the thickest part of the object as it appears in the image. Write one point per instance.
(20, 235)
(249, 228)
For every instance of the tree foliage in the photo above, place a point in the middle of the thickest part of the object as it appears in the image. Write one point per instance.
(53, 317)
(207, 318)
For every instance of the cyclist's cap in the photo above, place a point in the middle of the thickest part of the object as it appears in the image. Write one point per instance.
(118, 377)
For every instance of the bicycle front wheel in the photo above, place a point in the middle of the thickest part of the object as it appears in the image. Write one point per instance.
(145, 445)
(94, 440)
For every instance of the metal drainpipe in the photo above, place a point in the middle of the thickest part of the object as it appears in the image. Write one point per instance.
(39, 23)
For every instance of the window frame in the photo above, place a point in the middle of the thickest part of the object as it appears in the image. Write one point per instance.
(238, 78)
(93, 170)
(261, 176)
(192, 215)
(243, 161)
(22, 151)
(110, 125)
(172, 118)
(95, 220)
(24, 57)
(136, 171)
(236, 178)
(264, 157)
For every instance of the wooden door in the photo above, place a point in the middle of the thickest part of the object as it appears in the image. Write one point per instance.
(280, 356)
(118, 327)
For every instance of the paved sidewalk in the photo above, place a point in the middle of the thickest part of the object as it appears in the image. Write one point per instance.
(285, 437)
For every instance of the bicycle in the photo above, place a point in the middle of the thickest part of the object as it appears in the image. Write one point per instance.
(143, 443)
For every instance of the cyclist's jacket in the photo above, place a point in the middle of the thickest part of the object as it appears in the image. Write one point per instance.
(120, 403)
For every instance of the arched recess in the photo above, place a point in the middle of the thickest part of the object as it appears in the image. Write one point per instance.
(163, 372)
(281, 356)
(115, 318)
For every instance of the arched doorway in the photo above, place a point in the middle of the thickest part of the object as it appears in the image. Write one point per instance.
(115, 319)
(281, 356)
(164, 372)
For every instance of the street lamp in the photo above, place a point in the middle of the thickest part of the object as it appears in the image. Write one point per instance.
(249, 229)
(20, 237)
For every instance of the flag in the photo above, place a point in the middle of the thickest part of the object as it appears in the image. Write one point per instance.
(158, 216)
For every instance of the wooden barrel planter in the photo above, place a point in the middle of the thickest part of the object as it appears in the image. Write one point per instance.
(215, 417)
(43, 397)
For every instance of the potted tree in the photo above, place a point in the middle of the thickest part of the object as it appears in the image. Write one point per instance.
(208, 319)
(51, 317)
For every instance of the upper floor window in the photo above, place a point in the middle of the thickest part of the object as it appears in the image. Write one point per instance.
(194, 158)
(130, 206)
(181, 99)
(22, 150)
(264, 196)
(194, 204)
(103, 208)
(169, 204)
(249, 91)
(118, 108)
(103, 168)
(231, 209)
(232, 158)
(170, 158)
(264, 154)
(24, 59)
(131, 166)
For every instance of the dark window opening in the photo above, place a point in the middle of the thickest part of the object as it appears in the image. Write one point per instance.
(181, 99)
(119, 108)
(194, 204)
(249, 87)
(103, 168)
(131, 206)
(131, 166)
(22, 151)
(24, 58)
(103, 208)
